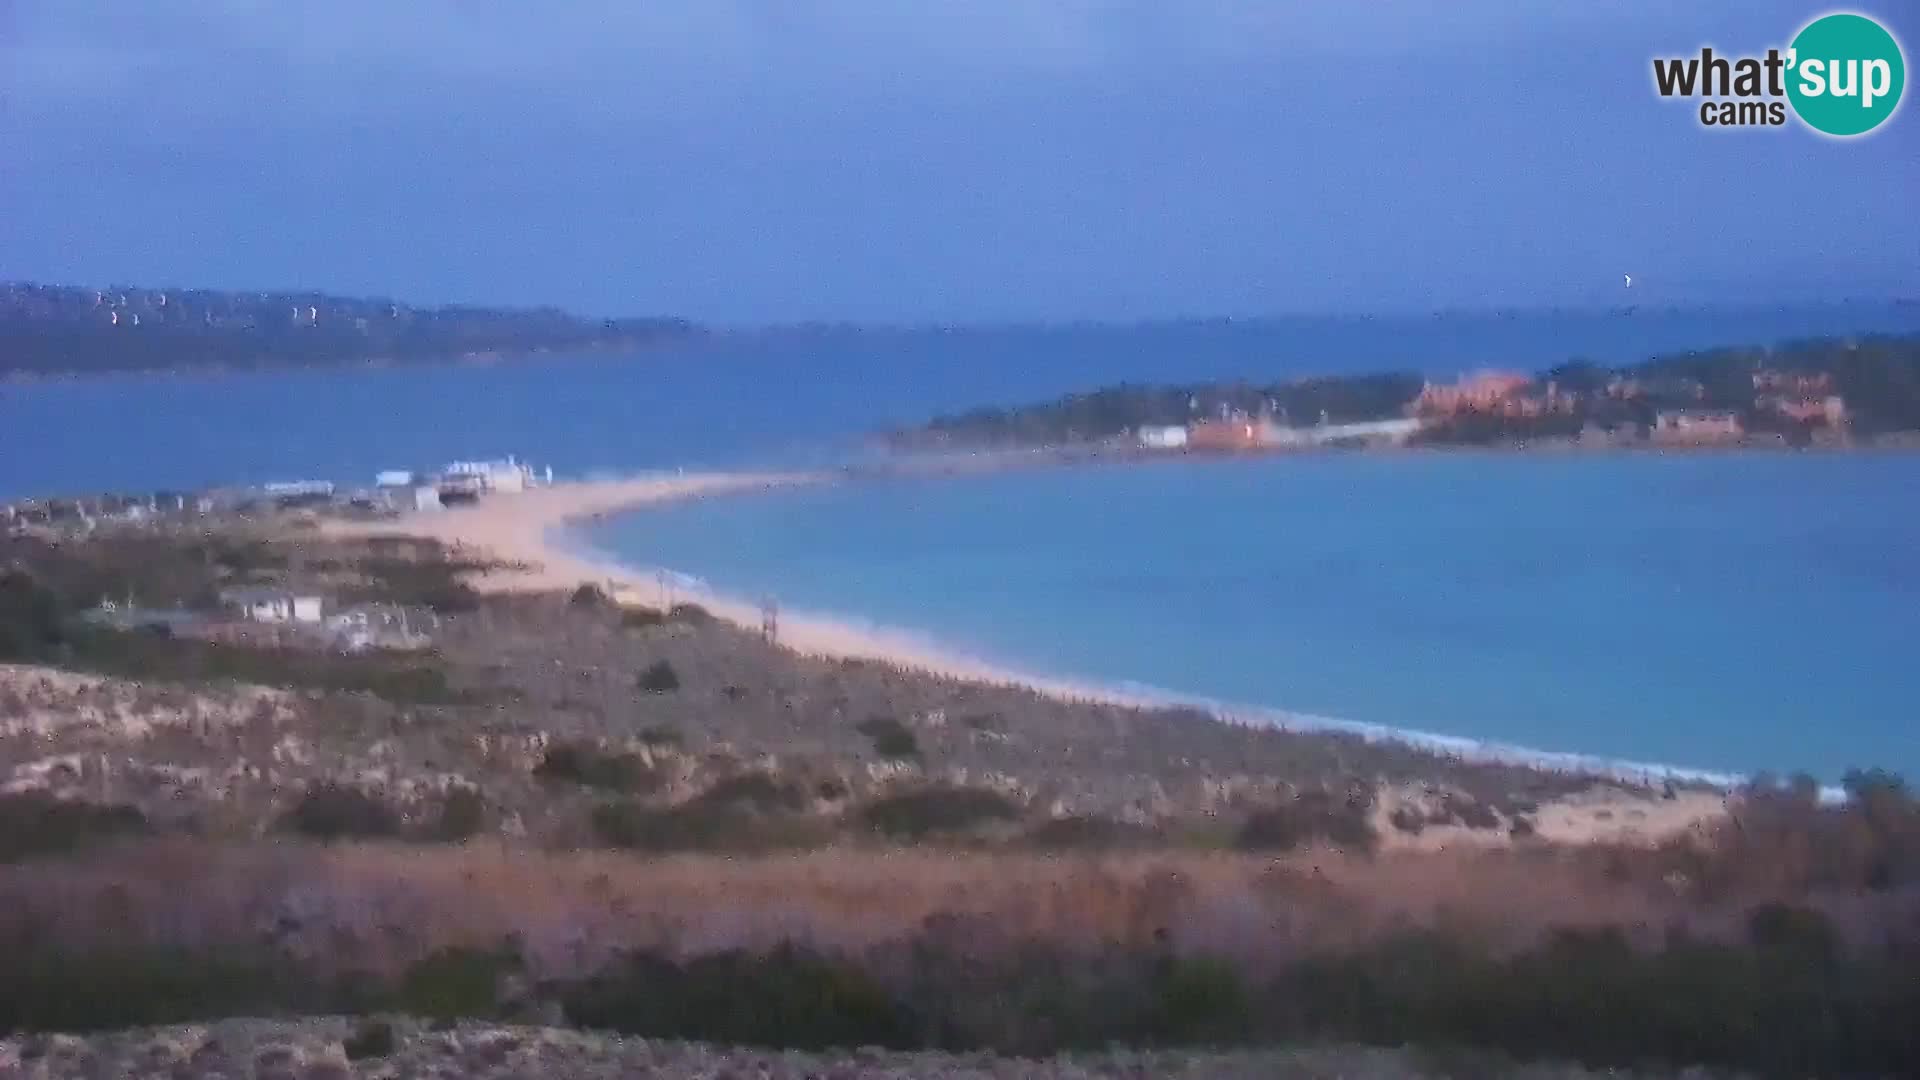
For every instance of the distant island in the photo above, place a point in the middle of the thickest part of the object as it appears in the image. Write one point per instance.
(66, 329)
(1833, 391)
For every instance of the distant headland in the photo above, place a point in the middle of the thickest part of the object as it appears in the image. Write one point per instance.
(1844, 391)
(48, 330)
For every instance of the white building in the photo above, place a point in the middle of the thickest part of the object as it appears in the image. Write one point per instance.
(500, 476)
(290, 489)
(393, 478)
(427, 497)
(1167, 437)
(269, 605)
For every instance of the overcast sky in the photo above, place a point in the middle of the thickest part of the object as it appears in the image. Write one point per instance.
(925, 161)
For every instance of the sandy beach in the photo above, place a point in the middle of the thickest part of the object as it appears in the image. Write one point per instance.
(527, 530)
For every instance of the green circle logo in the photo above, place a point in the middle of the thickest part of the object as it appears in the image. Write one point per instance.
(1845, 74)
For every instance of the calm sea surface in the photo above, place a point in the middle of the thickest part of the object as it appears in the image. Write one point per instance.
(1715, 612)
(1731, 613)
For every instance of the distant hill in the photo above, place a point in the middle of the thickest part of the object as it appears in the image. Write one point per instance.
(1769, 389)
(59, 329)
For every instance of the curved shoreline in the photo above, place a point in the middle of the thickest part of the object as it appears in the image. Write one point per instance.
(536, 533)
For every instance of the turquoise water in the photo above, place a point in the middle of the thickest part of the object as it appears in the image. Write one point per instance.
(1738, 612)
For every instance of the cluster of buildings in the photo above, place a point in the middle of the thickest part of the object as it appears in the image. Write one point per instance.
(1673, 409)
(392, 490)
(1663, 409)
(456, 482)
(278, 616)
(1493, 393)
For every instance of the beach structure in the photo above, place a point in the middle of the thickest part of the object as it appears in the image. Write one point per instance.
(427, 497)
(393, 478)
(1237, 434)
(293, 492)
(273, 605)
(1391, 432)
(1163, 437)
(500, 476)
(1696, 426)
(380, 626)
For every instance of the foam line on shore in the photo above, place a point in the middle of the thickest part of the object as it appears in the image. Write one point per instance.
(841, 636)
(538, 534)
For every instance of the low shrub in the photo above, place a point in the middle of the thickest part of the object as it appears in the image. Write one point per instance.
(662, 736)
(659, 678)
(456, 983)
(589, 765)
(373, 1039)
(1312, 816)
(790, 997)
(463, 815)
(700, 825)
(992, 723)
(759, 791)
(329, 812)
(642, 618)
(931, 810)
(590, 597)
(891, 738)
(36, 823)
(43, 989)
(432, 580)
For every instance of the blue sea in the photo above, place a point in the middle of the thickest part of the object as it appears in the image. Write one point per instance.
(1714, 612)
(1723, 613)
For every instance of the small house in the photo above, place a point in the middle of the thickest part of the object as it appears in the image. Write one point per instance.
(1163, 437)
(1225, 435)
(1697, 426)
(273, 605)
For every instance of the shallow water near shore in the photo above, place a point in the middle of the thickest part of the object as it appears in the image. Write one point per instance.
(1715, 612)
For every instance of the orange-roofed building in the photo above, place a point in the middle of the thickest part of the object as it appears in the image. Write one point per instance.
(1239, 434)
(1482, 391)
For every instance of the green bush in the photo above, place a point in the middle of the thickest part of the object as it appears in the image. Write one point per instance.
(1311, 816)
(44, 989)
(456, 983)
(659, 678)
(463, 815)
(759, 791)
(931, 810)
(35, 823)
(591, 766)
(662, 735)
(402, 680)
(32, 617)
(642, 618)
(1201, 999)
(1800, 930)
(330, 812)
(431, 581)
(790, 997)
(891, 738)
(373, 1039)
(702, 824)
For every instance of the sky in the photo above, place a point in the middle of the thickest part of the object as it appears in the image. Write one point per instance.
(748, 163)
